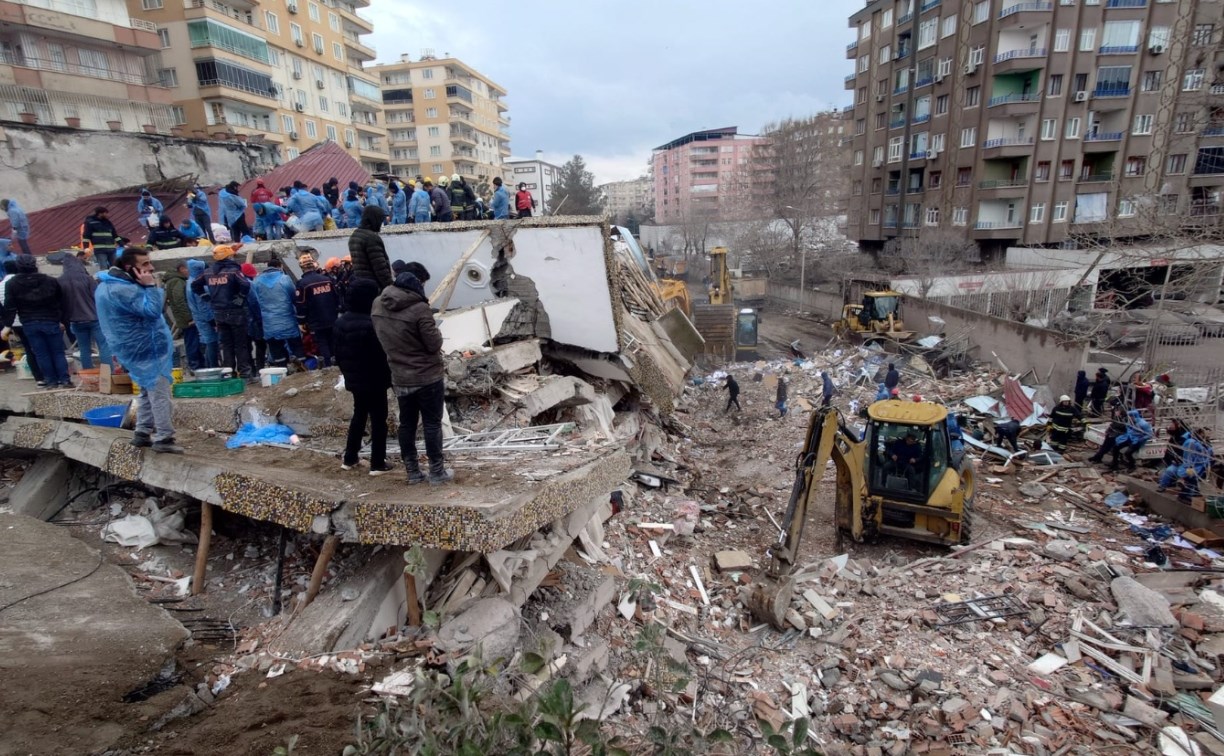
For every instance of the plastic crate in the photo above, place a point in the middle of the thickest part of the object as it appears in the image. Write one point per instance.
(209, 389)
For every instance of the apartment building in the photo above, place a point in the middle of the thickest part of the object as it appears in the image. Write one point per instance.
(285, 71)
(81, 63)
(538, 174)
(443, 117)
(694, 175)
(624, 198)
(1024, 122)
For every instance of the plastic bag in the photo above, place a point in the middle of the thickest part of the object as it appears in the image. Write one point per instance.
(252, 435)
(132, 531)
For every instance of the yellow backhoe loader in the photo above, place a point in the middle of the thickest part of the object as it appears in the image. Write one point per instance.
(877, 318)
(901, 479)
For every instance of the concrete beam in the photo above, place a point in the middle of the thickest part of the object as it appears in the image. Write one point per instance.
(43, 490)
(557, 392)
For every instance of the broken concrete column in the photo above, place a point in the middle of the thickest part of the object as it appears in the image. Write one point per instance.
(492, 624)
(43, 490)
(1141, 605)
(481, 373)
(556, 392)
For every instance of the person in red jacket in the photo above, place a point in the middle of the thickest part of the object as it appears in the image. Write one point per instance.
(261, 193)
(524, 203)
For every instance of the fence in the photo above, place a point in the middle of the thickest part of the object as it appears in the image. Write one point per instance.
(828, 304)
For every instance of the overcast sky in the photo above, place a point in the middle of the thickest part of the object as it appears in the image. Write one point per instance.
(612, 80)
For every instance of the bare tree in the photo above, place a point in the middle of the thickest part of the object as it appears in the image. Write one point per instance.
(933, 253)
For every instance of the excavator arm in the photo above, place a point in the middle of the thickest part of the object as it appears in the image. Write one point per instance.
(827, 438)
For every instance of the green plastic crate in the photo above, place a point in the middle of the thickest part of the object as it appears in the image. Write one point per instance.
(209, 389)
(1215, 506)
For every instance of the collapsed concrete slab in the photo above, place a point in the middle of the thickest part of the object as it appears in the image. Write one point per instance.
(43, 490)
(79, 621)
(557, 392)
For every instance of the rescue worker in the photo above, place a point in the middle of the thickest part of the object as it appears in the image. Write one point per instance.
(440, 200)
(780, 398)
(1196, 461)
(19, 222)
(351, 209)
(956, 438)
(232, 210)
(165, 235)
(148, 209)
(733, 392)
(202, 316)
(524, 203)
(100, 232)
(331, 190)
(374, 196)
(1008, 432)
(1082, 384)
(255, 328)
(325, 209)
(1178, 434)
(302, 204)
(1063, 418)
(38, 301)
(369, 255)
(318, 306)
(227, 289)
(201, 213)
(905, 459)
(180, 314)
(892, 378)
(191, 231)
(1098, 391)
(399, 204)
(500, 204)
(261, 193)
(276, 295)
(419, 205)
(881, 392)
(1139, 393)
(458, 199)
(269, 221)
(1138, 433)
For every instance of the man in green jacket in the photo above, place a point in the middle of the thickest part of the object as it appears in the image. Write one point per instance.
(180, 313)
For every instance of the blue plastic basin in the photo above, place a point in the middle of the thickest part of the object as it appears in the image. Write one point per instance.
(109, 417)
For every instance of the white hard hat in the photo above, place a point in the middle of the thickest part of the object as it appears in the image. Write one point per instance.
(1064, 398)
(455, 177)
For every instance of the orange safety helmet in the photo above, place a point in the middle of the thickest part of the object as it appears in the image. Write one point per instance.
(331, 264)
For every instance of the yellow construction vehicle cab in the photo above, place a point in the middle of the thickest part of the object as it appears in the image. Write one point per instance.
(722, 291)
(878, 316)
(900, 479)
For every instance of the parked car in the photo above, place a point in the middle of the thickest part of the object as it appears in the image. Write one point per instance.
(1207, 319)
(1120, 367)
(1084, 324)
(1130, 328)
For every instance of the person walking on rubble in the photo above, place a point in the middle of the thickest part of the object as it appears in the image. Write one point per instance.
(1082, 385)
(1063, 418)
(1099, 391)
(827, 389)
(366, 247)
(733, 392)
(781, 397)
(367, 376)
(892, 378)
(406, 329)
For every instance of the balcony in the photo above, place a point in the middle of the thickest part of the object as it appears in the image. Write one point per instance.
(892, 191)
(1104, 92)
(354, 18)
(925, 81)
(927, 5)
(363, 51)
(1020, 61)
(1037, 7)
(463, 135)
(896, 123)
(1103, 136)
(213, 9)
(1003, 183)
(1103, 141)
(921, 118)
(905, 19)
(1014, 104)
(848, 109)
(53, 66)
(1007, 147)
(1096, 178)
(889, 223)
(1125, 3)
(850, 82)
(997, 229)
(1119, 50)
(1011, 98)
(915, 156)
(1213, 131)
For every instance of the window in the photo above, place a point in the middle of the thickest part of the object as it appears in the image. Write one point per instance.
(935, 179)
(1135, 166)
(177, 114)
(1176, 164)
(331, 132)
(164, 36)
(350, 135)
(1120, 37)
(295, 31)
(1193, 81)
(434, 131)
(861, 96)
(1158, 36)
(1066, 170)
(1210, 161)
(1054, 89)
(876, 186)
(437, 167)
(1088, 40)
(932, 216)
(1151, 81)
(1081, 82)
(928, 32)
(317, 39)
(873, 217)
(1060, 212)
(977, 55)
(435, 151)
(973, 97)
(1183, 123)
(287, 124)
(1168, 204)
(1062, 40)
(334, 22)
(431, 112)
(881, 120)
(968, 137)
(337, 51)
(1202, 35)
(1049, 129)
(895, 145)
(273, 57)
(1037, 213)
(311, 130)
(1073, 129)
(886, 18)
(1043, 171)
(1126, 208)
(151, 4)
(964, 176)
(960, 216)
(885, 54)
(860, 127)
(313, 10)
(865, 30)
(1143, 125)
(864, 63)
(941, 105)
(430, 94)
(937, 143)
(856, 189)
(323, 103)
(945, 67)
(168, 77)
(901, 81)
(981, 11)
(949, 26)
(297, 66)
(877, 155)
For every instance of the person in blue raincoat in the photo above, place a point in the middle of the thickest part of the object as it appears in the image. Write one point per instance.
(374, 196)
(351, 208)
(419, 207)
(321, 202)
(881, 392)
(191, 230)
(269, 220)
(1195, 464)
(202, 314)
(130, 310)
(232, 208)
(399, 204)
(20, 223)
(1138, 432)
(147, 207)
(500, 205)
(276, 296)
(201, 213)
(302, 204)
(956, 439)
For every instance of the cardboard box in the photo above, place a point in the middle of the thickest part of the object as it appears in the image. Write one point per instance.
(1198, 503)
(1204, 538)
(113, 383)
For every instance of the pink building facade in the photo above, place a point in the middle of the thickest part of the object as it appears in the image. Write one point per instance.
(695, 175)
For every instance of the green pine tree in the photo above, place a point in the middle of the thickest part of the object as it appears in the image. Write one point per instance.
(574, 193)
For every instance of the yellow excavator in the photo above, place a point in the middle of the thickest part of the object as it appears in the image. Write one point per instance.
(903, 478)
(878, 317)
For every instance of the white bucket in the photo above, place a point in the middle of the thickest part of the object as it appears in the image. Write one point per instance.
(23, 370)
(272, 376)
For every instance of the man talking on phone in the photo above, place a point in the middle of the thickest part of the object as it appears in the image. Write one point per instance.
(130, 307)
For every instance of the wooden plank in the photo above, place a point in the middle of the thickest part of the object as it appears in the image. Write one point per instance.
(442, 294)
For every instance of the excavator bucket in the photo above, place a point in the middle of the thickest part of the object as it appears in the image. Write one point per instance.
(770, 597)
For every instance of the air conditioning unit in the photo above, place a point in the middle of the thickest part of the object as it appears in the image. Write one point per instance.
(879, 98)
(299, 43)
(1081, 97)
(319, 84)
(348, 144)
(939, 78)
(1156, 49)
(877, 164)
(297, 74)
(970, 69)
(293, 7)
(293, 135)
(319, 49)
(932, 154)
(299, 107)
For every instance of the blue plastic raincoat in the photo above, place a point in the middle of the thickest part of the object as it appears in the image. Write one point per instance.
(399, 207)
(269, 220)
(230, 207)
(352, 213)
(201, 309)
(275, 293)
(419, 206)
(18, 220)
(135, 328)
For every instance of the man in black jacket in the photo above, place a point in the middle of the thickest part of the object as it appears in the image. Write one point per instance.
(36, 298)
(166, 236)
(366, 376)
(227, 289)
(410, 337)
(102, 236)
(367, 250)
(318, 304)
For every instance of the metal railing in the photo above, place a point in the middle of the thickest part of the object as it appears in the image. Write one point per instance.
(924, 81)
(919, 155)
(1022, 7)
(1006, 142)
(93, 111)
(1213, 131)
(993, 225)
(850, 79)
(1111, 92)
(1031, 52)
(223, 9)
(905, 19)
(1103, 136)
(921, 119)
(1125, 3)
(1096, 178)
(892, 191)
(1013, 98)
(852, 46)
(1119, 50)
(889, 223)
(1217, 89)
(1002, 183)
(219, 82)
(927, 5)
(140, 23)
(896, 123)
(43, 64)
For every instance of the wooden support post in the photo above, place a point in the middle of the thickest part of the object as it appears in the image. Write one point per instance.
(201, 563)
(280, 571)
(414, 603)
(320, 568)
